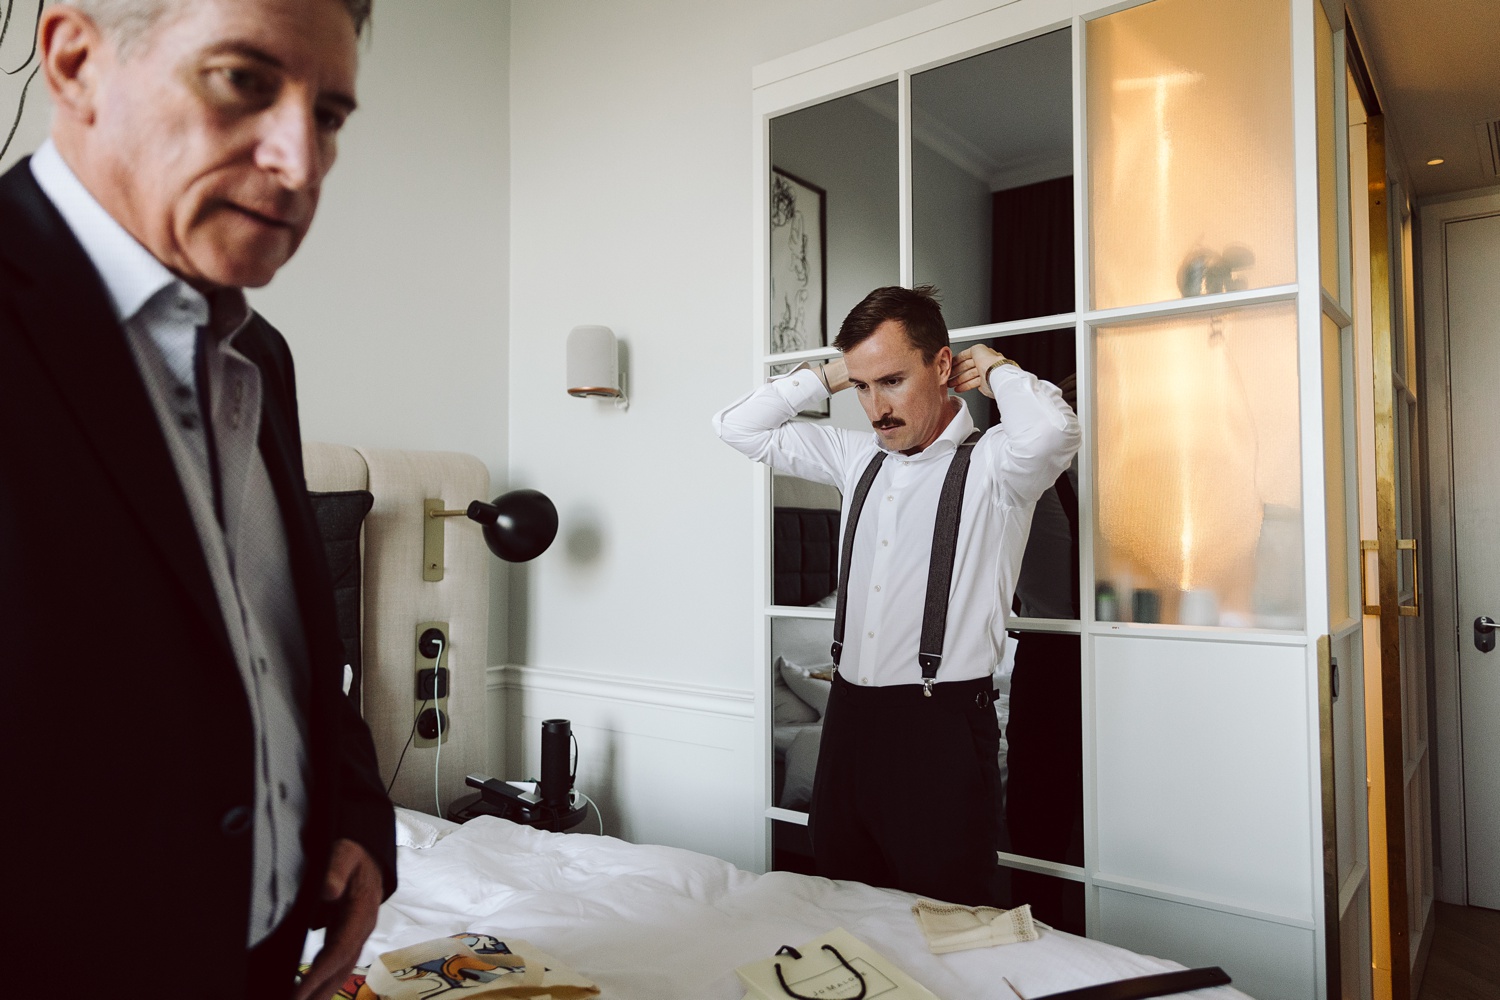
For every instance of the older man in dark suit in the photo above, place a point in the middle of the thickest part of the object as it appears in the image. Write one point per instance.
(188, 789)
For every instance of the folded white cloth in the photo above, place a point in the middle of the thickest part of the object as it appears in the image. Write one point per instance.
(949, 927)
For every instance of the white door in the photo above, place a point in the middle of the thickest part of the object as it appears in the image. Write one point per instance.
(1473, 266)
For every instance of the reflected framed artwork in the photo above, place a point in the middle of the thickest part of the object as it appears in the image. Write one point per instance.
(798, 309)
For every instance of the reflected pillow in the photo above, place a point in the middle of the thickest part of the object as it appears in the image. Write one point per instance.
(811, 684)
(789, 708)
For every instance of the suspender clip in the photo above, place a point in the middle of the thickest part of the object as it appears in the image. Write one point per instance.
(927, 687)
(837, 650)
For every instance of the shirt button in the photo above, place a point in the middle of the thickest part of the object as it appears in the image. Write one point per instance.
(877, 588)
(236, 821)
(890, 498)
(885, 541)
(188, 421)
(870, 634)
(864, 680)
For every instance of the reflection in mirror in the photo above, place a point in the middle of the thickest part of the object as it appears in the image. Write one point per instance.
(992, 186)
(835, 224)
(804, 541)
(801, 679)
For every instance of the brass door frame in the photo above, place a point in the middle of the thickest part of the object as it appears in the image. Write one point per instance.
(1390, 863)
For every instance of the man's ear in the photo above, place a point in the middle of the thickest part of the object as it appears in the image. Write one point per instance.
(944, 361)
(72, 46)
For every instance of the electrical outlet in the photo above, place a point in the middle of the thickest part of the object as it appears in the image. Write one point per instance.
(430, 655)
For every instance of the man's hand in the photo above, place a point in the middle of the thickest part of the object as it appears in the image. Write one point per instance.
(354, 884)
(835, 375)
(969, 369)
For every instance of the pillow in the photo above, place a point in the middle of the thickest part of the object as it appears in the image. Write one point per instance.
(811, 684)
(340, 516)
(788, 707)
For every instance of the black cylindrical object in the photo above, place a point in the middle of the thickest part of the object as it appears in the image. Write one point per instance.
(557, 781)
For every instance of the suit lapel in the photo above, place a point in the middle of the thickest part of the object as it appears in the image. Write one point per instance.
(65, 316)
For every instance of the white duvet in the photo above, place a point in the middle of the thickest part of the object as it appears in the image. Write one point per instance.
(658, 923)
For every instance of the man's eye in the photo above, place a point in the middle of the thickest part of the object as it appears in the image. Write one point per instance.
(246, 83)
(330, 120)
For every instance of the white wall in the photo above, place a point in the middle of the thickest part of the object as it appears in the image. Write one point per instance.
(632, 185)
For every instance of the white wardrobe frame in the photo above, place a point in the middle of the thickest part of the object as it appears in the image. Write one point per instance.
(1233, 871)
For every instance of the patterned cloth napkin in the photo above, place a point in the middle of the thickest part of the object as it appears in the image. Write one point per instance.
(949, 927)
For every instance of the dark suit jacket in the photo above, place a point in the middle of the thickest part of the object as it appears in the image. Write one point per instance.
(126, 751)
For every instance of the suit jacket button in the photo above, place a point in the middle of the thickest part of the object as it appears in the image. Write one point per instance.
(236, 821)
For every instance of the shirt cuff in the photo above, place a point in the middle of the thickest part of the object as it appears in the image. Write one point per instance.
(800, 387)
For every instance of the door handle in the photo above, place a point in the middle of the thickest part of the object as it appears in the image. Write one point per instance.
(1413, 609)
(1484, 633)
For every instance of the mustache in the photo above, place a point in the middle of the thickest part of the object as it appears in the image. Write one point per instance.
(886, 423)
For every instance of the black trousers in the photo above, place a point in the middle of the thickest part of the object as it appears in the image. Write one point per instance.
(271, 972)
(907, 792)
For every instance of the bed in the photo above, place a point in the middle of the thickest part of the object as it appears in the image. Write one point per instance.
(643, 922)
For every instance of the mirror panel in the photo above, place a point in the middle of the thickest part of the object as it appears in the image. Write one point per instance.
(835, 221)
(992, 188)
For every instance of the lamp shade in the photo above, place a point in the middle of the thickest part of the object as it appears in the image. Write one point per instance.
(593, 362)
(518, 526)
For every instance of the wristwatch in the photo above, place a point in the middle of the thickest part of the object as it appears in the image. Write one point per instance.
(996, 364)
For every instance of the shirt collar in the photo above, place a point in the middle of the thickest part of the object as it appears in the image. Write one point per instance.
(959, 428)
(131, 275)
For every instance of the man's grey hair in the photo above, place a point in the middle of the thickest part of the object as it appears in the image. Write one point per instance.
(127, 22)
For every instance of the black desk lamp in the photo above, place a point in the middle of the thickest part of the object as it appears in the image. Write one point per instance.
(518, 526)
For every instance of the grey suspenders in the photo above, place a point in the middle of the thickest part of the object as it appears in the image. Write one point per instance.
(939, 570)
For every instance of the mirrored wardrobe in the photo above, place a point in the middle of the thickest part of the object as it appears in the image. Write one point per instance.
(1124, 199)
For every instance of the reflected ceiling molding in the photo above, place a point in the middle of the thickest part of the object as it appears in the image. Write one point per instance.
(936, 136)
(1032, 170)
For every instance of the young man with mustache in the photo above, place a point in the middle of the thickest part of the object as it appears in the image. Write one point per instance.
(907, 788)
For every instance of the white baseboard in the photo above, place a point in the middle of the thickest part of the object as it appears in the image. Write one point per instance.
(665, 763)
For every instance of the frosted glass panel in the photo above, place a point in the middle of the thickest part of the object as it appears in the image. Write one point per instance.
(1328, 239)
(834, 220)
(1190, 149)
(1334, 472)
(1199, 483)
(992, 189)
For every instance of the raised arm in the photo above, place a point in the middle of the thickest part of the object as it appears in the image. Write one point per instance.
(760, 424)
(1039, 432)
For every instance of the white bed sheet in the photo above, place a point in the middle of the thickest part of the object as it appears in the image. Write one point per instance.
(659, 923)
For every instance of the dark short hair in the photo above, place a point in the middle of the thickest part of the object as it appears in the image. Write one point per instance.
(916, 309)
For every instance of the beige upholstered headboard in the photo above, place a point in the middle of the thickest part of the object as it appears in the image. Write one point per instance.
(397, 599)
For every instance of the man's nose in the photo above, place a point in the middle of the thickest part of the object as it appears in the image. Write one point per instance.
(290, 145)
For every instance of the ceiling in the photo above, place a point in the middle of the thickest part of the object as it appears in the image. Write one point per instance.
(1436, 65)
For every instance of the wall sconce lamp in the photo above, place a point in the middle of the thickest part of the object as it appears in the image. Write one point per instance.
(594, 365)
(518, 526)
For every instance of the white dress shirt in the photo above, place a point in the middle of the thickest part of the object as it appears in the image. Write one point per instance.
(233, 506)
(1013, 463)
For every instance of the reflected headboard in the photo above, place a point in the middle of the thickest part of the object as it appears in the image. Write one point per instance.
(395, 599)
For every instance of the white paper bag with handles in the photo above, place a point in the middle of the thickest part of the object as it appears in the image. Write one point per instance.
(836, 966)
